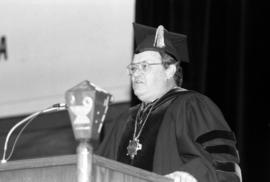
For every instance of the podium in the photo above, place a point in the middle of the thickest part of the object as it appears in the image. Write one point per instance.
(63, 169)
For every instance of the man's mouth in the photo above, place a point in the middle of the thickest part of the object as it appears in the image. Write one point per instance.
(138, 82)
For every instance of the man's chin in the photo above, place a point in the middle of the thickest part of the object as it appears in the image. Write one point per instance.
(138, 87)
(139, 92)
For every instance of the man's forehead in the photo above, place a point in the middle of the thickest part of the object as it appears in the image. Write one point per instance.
(147, 56)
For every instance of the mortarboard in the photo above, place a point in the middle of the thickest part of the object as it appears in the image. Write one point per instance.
(149, 38)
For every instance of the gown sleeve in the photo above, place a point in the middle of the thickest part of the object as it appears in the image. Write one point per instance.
(205, 142)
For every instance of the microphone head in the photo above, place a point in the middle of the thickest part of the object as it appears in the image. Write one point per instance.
(87, 107)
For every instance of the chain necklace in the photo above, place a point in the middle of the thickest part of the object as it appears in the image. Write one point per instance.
(134, 144)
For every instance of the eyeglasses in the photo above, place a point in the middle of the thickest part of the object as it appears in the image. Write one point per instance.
(143, 66)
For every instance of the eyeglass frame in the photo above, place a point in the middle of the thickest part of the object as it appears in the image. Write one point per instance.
(144, 70)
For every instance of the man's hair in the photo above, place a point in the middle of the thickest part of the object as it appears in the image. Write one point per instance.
(167, 60)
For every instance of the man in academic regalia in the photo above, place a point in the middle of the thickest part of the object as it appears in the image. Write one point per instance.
(174, 131)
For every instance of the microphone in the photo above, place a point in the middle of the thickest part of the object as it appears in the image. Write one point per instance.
(87, 108)
(54, 108)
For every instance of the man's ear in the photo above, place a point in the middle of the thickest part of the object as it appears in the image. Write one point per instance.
(170, 71)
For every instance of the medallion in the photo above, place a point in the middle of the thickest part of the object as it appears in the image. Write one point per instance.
(133, 146)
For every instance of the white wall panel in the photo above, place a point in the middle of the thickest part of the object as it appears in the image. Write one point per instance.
(55, 44)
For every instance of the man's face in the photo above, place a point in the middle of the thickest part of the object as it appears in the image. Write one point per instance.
(149, 84)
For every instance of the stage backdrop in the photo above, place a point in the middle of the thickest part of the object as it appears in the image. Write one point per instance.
(49, 46)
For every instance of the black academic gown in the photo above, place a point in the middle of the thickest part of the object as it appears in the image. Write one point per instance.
(192, 136)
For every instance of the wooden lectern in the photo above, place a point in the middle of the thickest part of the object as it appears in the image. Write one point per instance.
(64, 169)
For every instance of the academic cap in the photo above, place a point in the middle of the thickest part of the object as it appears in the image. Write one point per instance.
(149, 38)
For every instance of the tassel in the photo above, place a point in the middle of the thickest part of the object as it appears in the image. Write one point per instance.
(159, 37)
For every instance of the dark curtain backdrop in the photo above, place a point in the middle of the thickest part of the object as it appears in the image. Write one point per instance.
(227, 46)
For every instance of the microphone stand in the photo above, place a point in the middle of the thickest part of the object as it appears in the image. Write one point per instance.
(84, 159)
(54, 108)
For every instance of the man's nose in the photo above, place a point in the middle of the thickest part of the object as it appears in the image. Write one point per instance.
(137, 75)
